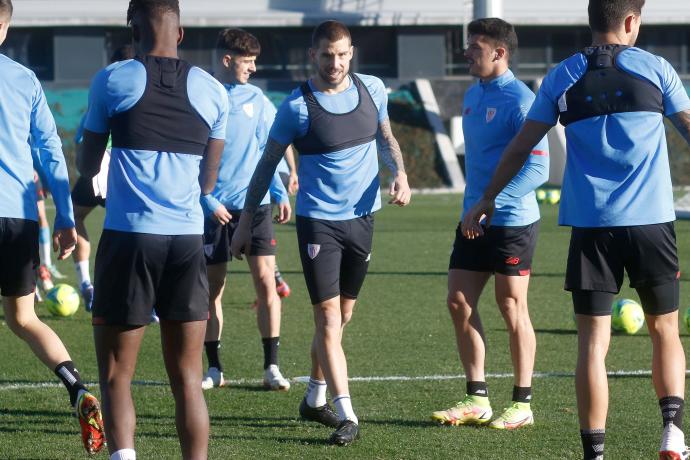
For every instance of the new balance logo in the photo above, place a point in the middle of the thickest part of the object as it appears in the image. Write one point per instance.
(513, 260)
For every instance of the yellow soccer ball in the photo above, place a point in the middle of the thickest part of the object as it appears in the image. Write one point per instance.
(62, 300)
(627, 316)
(541, 195)
(553, 196)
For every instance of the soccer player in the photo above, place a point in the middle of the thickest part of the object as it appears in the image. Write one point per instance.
(617, 197)
(249, 120)
(494, 109)
(84, 199)
(167, 120)
(335, 120)
(24, 113)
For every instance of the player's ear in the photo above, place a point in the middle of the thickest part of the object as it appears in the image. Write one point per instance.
(499, 54)
(227, 59)
(312, 54)
(180, 35)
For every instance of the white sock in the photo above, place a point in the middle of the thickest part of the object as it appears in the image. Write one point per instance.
(343, 406)
(44, 244)
(124, 454)
(316, 393)
(82, 268)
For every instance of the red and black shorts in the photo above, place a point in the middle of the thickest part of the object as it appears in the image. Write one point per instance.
(217, 237)
(19, 257)
(136, 272)
(504, 250)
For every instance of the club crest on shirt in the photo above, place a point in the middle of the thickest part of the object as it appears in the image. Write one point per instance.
(248, 109)
(490, 114)
(313, 250)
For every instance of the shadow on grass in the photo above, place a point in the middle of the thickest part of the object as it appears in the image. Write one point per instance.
(554, 331)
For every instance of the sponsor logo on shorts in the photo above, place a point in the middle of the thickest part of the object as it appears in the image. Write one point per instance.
(524, 272)
(512, 260)
(678, 275)
(368, 257)
(313, 250)
(273, 241)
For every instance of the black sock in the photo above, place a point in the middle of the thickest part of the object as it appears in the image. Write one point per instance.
(477, 389)
(593, 443)
(279, 277)
(271, 351)
(672, 410)
(522, 394)
(212, 354)
(71, 379)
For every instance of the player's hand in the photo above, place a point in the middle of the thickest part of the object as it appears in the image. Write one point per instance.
(242, 237)
(400, 190)
(284, 213)
(478, 217)
(221, 215)
(64, 241)
(293, 184)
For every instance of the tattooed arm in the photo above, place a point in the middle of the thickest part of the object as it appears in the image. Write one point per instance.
(681, 121)
(258, 187)
(392, 157)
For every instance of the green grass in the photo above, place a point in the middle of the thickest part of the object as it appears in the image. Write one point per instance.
(400, 328)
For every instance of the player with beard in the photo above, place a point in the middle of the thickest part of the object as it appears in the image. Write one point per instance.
(334, 120)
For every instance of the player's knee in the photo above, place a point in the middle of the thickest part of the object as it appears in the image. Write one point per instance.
(345, 318)
(458, 307)
(662, 326)
(20, 323)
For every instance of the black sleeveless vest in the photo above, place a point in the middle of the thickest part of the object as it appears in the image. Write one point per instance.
(330, 132)
(163, 119)
(605, 89)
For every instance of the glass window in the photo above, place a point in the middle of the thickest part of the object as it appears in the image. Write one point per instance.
(32, 47)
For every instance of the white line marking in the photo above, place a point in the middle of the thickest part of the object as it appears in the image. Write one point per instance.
(305, 379)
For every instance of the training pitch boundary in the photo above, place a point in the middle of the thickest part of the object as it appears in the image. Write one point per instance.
(305, 379)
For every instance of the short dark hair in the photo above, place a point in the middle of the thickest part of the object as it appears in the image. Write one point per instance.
(123, 53)
(608, 15)
(497, 30)
(6, 7)
(152, 8)
(238, 41)
(331, 31)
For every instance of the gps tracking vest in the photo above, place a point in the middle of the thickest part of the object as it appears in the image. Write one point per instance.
(605, 89)
(331, 132)
(163, 119)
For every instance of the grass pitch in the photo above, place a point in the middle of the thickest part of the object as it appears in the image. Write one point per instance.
(400, 329)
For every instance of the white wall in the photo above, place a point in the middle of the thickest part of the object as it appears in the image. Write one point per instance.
(364, 12)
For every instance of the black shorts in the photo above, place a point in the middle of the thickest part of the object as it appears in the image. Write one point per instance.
(335, 255)
(504, 250)
(83, 194)
(136, 272)
(217, 237)
(19, 257)
(598, 256)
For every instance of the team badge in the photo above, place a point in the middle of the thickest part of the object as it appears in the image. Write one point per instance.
(490, 114)
(248, 109)
(368, 257)
(313, 250)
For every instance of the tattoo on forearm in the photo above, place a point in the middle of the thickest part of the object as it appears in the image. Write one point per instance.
(681, 121)
(389, 148)
(263, 175)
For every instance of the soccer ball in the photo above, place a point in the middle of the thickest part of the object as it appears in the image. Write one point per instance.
(541, 195)
(62, 300)
(686, 320)
(627, 316)
(553, 196)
